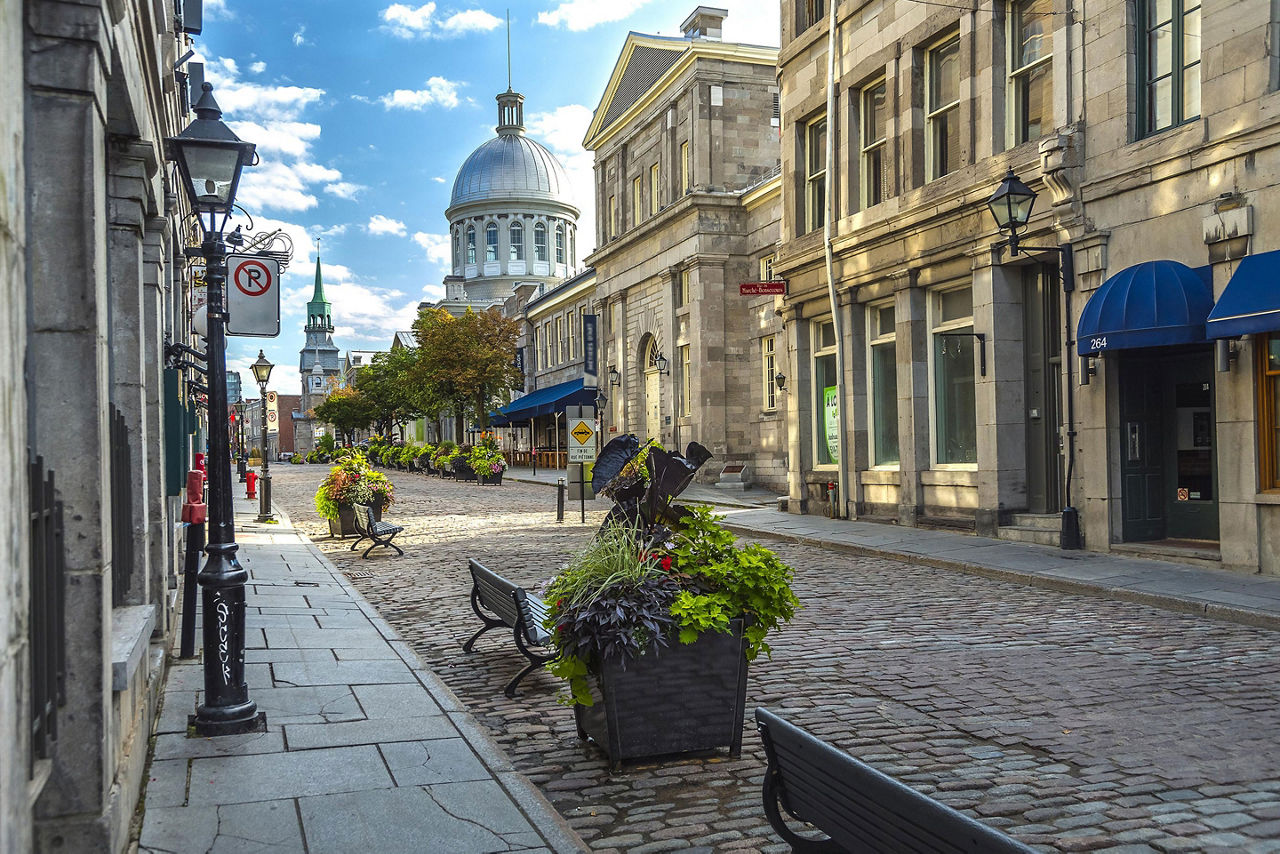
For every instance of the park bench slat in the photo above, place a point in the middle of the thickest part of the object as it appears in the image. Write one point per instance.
(510, 605)
(382, 533)
(860, 809)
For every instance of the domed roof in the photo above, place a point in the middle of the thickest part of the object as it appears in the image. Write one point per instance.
(511, 167)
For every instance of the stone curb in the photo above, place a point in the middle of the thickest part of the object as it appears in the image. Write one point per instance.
(559, 836)
(1166, 601)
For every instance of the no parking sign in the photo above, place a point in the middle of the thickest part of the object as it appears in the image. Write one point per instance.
(253, 296)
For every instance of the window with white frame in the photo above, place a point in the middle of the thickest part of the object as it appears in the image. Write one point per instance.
(826, 399)
(769, 367)
(517, 242)
(559, 243)
(491, 242)
(684, 167)
(766, 268)
(559, 341)
(815, 180)
(637, 201)
(471, 244)
(1031, 70)
(540, 241)
(875, 160)
(955, 417)
(682, 288)
(882, 379)
(540, 347)
(685, 402)
(942, 110)
(654, 179)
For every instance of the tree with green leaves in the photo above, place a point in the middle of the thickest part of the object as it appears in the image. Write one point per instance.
(347, 410)
(465, 364)
(387, 384)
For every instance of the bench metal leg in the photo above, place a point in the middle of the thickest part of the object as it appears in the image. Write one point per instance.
(489, 622)
(799, 844)
(376, 544)
(510, 690)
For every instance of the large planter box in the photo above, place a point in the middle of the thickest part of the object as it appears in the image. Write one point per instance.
(676, 699)
(464, 471)
(491, 479)
(345, 525)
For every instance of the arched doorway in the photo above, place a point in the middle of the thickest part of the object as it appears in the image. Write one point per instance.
(652, 386)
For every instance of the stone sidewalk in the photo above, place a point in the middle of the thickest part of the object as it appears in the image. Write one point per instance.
(365, 749)
(1249, 599)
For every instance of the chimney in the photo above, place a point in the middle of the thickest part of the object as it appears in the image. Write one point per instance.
(705, 22)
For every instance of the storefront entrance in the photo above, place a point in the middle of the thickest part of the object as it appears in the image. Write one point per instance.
(1166, 443)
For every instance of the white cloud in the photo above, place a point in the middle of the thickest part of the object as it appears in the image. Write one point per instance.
(437, 247)
(579, 15)
(344, 189)
(439, 92)
(437, 179)
(292, 139)
(258, 67)
(299, 36)
(752, 22)
(562, 130)
(379, 224)
(409, 22)
(216, 10)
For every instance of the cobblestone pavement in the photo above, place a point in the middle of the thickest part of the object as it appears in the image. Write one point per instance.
(1075, 723)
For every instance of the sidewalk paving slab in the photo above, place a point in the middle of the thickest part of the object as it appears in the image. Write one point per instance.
(365, 748)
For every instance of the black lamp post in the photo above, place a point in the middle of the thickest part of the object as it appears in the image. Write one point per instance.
(262, 372)
(210, 159)
(240, 407)
(1011, 207)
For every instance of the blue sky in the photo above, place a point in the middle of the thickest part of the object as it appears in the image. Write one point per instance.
(363, 111)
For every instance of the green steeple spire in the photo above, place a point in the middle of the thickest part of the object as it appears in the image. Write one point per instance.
(319, 311)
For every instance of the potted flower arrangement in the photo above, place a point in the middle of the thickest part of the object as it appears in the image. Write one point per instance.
(487, 461)
(462, 469)
(657, 618)
(423, 461)
(352, 482)
(442, 459)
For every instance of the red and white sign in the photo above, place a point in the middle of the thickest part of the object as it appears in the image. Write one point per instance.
(253, 296)
(755, 289)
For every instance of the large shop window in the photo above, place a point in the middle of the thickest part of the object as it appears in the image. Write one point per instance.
(815, 192)
(954, 394)
(882, 356)
(1269, 410)
(942, 138)
(1031, 78)
(826, 399)
(1169, 63)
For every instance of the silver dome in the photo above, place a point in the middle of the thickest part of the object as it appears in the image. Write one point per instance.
(510, 167)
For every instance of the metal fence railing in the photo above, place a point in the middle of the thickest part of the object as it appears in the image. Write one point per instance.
(48, 610)
(122, 521)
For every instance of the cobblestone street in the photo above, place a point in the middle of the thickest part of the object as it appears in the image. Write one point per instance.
(1075, 723)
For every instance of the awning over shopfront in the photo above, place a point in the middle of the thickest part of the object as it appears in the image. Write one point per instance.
(544, 401)
(1251, 302)
(1152, 304)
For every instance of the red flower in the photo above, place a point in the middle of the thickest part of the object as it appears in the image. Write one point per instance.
(666, 563)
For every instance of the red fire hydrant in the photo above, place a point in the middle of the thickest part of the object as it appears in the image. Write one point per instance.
(251, 484)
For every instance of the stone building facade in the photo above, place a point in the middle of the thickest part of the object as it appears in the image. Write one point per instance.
(687, 198)
(962, 400)
(98, 430)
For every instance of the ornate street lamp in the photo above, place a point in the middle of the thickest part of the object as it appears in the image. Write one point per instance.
(262, 372)
(660, 362)
(210, 159)
(240, 407)
(780, 380)
(1011, 207)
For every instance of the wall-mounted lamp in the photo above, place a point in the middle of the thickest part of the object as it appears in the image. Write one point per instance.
(1225, 351)
(1088, 368)
(615, 378)
(660, 362)
(780, 379)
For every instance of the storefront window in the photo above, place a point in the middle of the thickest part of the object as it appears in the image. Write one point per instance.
(1269, 409)
(826, 400)
(883, 359)
(954, 394)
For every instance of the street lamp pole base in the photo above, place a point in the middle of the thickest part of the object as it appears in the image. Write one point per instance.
(1069, 536)
(264, 508)
(206, 728)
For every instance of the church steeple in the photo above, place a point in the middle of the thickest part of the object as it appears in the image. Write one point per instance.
(319, 311)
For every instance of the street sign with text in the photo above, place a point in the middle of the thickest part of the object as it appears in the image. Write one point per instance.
(754, 289)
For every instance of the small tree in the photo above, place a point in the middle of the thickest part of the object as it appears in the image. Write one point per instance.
(347, 410)
(387, 385)
(464, 364)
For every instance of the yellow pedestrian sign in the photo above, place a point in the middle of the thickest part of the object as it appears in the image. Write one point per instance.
(582, 433)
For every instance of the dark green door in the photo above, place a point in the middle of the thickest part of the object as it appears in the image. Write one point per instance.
(1142, 456)
(1191, 497)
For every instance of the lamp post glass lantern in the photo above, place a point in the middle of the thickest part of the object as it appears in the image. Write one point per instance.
(262, 372)
(210, 158)
(1010, 206)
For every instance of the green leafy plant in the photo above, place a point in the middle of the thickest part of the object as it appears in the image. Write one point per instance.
(352, 481)
(296, 460)
(444, 454)
(486, 459)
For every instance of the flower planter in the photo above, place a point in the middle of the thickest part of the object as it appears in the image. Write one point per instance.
(464, 472)
(674, 699)
(491, 479)
(345, 525)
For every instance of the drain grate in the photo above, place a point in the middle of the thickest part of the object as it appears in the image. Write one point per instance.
(359, 573)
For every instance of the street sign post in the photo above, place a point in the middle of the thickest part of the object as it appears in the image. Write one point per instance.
(253, 296)
(580, 421)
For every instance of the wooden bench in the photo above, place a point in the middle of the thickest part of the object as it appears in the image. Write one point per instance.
(382, 533)
(860, 810)
(508, 605)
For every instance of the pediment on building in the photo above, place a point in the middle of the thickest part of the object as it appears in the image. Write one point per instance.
(643, 61)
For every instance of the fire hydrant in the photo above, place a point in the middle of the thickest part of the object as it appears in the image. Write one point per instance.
(251, 484)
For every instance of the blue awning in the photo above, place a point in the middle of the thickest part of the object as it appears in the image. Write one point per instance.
(1251, 302)
(1152, 304)
(544, 401)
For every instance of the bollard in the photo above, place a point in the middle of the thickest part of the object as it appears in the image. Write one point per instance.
(832, 499)
(560, 499)
(251, 485)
